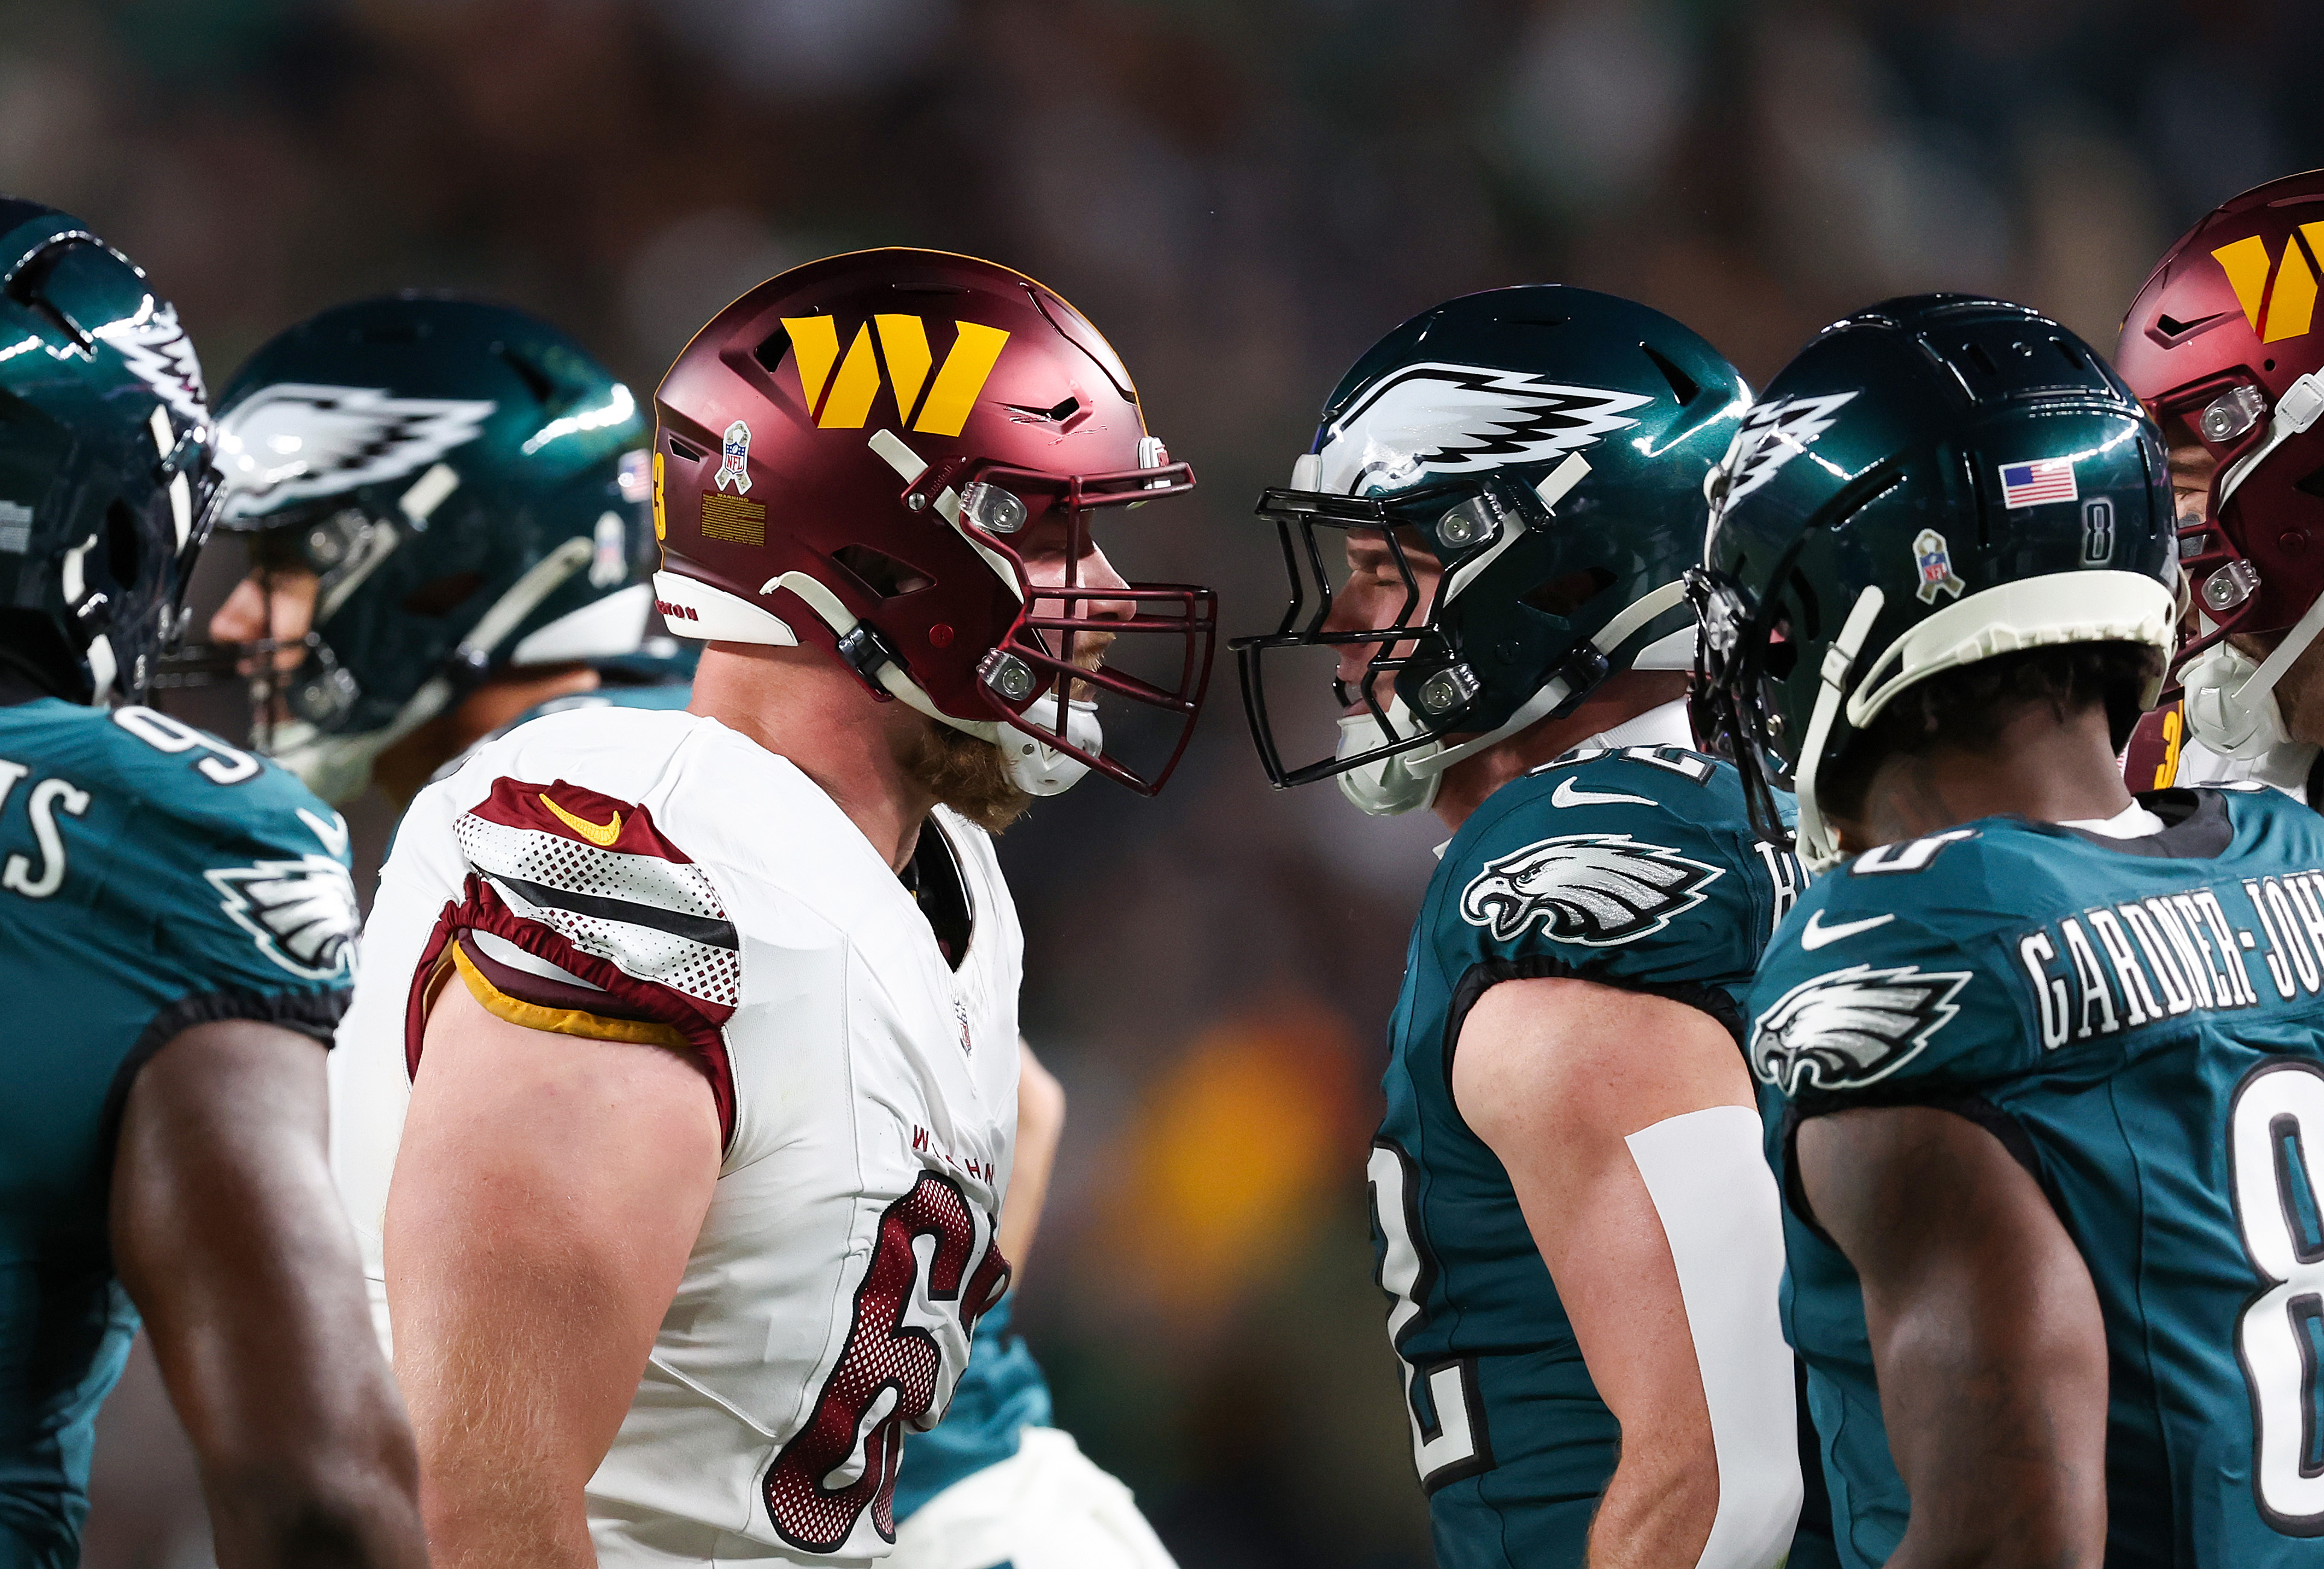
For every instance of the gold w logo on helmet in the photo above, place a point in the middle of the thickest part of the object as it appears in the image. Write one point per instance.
(2290, 308)
(843, 401)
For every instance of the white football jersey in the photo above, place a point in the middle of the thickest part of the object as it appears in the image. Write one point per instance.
(637, 875)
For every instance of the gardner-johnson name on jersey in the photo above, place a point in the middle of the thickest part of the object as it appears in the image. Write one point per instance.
(2116, 967)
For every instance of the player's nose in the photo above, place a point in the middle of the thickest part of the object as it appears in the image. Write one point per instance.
(243, 618)
(1097, 571)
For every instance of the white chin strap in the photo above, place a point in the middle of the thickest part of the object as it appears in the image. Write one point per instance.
(337, 767)
(1387, 787)
(1819, 846)
(1039, 768)
(2231, 704)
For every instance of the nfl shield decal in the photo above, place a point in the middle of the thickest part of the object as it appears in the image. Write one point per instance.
(734, 467)
(1935, 560)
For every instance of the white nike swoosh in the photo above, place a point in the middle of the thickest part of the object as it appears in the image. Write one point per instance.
(1568, 794)
(1815, 934)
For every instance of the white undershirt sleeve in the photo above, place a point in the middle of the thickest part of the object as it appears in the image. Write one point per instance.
(1721, 1212)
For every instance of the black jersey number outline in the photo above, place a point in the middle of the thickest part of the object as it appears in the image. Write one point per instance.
(1449, 1439)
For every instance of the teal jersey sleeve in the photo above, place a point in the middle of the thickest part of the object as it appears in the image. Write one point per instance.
(1877, 989)
(151, 878)
(1636, 869)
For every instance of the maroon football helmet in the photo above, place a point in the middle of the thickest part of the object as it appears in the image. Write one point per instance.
(845, 457)
(2226, 337)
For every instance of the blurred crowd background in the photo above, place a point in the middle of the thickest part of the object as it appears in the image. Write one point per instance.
(1243, 193)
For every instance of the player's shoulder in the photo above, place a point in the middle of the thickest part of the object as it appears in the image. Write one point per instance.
(174, 780)
(1664, 793)
(1645, 846)
(249, 867)
(627, 788)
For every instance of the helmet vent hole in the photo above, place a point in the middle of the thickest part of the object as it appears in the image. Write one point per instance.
(2313, 485)
(1683, 387)
(121, 551)
(440, 596)
(771, 349)
(1808, 626)
(2071, 358)
(388, 332)
(1978, 356)
(883, 576)
(537, 382)
(678, 449)
(1562, 596)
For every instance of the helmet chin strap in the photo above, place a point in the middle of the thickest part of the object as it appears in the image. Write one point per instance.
(337, 767)
(2245, 720)
(1037, 769)
(1819, 846)
(1408, 781)
(1610, 638)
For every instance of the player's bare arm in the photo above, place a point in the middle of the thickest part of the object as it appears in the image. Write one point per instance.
(1040, 1123)
(1554, 1075)
(231, 1241)
(1986, 1336)
(545, 1199)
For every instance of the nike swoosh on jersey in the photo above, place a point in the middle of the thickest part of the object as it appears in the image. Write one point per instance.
(1815, 934)
(1569, 794)
(600, 834)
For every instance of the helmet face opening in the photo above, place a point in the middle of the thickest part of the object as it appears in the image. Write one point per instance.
(1415, 656)
(1135, 656)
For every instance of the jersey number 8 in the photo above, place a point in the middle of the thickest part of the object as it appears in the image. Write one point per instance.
(2277, 1109)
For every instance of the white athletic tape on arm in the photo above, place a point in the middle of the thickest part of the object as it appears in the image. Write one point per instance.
(1719, 1207)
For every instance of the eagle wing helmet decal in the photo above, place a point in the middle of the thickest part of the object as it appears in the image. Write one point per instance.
(160, 354)
(1596, 889)
(1851, 1027)
(1448, 420)
(292, 441)
(1772, 435)
(301, 914)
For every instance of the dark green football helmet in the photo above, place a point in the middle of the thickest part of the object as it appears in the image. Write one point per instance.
(106, 489)
(472, 489)
(1930, 482)
(1549, 445)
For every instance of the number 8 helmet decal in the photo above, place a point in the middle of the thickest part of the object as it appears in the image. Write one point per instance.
(850, 456)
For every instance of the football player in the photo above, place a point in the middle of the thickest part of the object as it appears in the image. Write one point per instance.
(177, 926)
(446, 505)
(2220, 347)
(1576, 1231)
(2046, 1052)
(682, 1082)
(377, 383)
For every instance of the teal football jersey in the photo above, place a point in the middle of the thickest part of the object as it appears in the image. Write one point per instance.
(151, 878)
(1636, 869)
(1003, 1390)
(2138, 1021)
